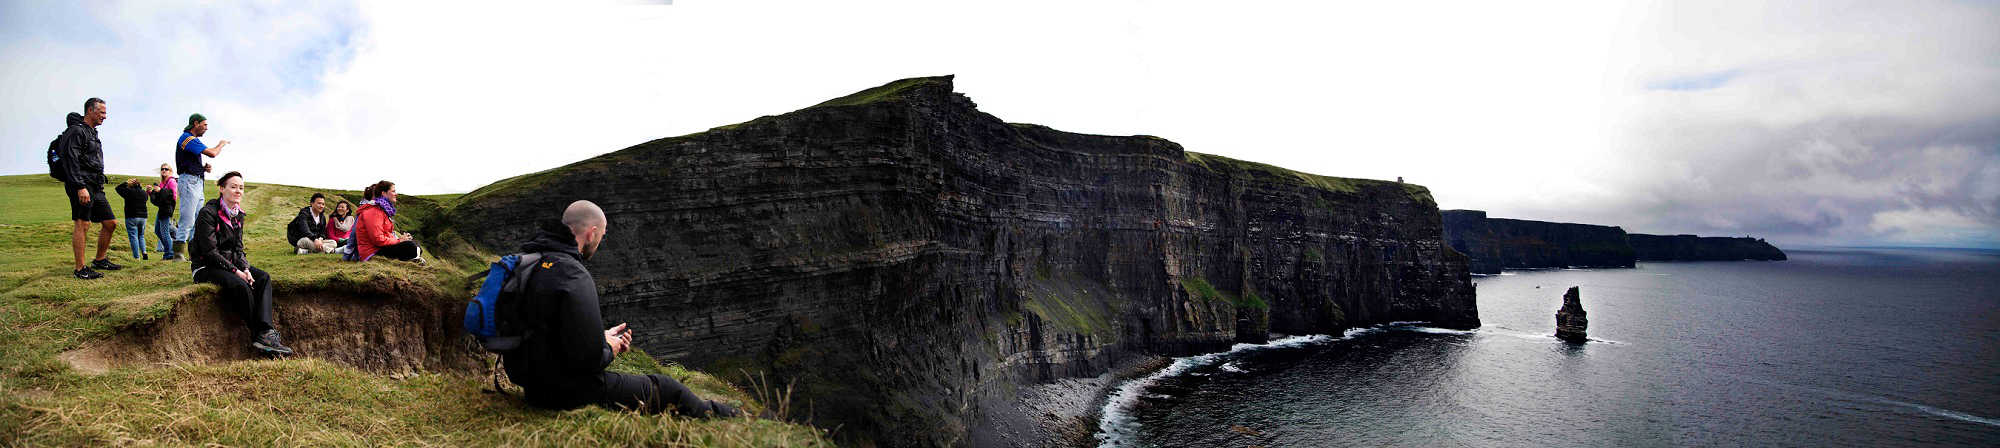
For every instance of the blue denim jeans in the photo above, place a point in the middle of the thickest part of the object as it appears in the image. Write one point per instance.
(135, 232)
(165, 230)
(190, 196)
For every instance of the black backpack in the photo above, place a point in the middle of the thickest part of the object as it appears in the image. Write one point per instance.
(58, 168)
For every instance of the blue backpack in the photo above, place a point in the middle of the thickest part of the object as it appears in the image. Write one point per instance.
(484, 315)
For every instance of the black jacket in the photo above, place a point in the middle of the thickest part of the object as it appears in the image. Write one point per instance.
(135, 200)
(86, 154)
(217, 243)
(305, 226)
(165, 201)
(562, 360)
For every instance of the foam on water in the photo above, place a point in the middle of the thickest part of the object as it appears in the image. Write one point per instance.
(1119, 428)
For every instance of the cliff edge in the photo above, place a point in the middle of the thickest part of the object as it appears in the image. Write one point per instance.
(907, 261)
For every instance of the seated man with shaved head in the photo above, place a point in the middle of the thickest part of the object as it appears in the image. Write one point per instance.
(560, 365)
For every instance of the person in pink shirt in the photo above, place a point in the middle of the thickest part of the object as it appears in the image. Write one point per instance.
(340, 224)
(163, 225)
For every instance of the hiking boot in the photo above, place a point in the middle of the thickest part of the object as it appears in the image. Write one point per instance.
(179, 251)
(105, 265)
(269, 343)
(87, 274)
(145, 256)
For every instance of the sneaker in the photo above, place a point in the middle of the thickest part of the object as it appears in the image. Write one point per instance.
(269, 343)
(145, 256)
(105, 265)
(87, 274)
(302, 251)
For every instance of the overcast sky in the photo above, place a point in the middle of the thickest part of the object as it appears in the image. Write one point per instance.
(1808, 123)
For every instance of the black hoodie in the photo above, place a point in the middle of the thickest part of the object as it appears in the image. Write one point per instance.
(217, 242)
(306, 225)
(561, 362)
(86, 154)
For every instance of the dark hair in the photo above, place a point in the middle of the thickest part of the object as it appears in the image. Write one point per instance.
(375, 191)
(219, 182)
(89, 103)
(315, 197)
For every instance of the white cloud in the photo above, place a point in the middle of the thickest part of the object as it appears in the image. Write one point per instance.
(1784, 119)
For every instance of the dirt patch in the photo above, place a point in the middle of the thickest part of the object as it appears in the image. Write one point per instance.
(372, 332)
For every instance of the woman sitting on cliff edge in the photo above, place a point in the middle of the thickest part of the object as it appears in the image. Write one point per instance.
(375, 231)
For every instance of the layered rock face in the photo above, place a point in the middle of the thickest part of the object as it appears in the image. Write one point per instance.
(904, 260)
(1700, 248)
(1570, 321)
(1495, 243)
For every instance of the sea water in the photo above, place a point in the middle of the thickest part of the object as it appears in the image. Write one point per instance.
(1838, 347)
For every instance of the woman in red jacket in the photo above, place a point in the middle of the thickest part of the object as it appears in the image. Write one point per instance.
(375, 231)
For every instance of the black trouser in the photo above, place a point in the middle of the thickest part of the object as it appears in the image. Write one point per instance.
(406, 251)
(252, 300)
(644, 393)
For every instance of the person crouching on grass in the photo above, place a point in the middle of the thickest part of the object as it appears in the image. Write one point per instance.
(218, 257)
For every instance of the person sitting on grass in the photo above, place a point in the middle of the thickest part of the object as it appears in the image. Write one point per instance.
(340, 224)
(163, 225)
(134, 193)
(219, 258)
(307, 232)
(562, 366)
(376, 230)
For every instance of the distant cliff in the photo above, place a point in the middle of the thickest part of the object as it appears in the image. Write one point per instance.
(907, 261)
(1495, 243)
(1700, 248)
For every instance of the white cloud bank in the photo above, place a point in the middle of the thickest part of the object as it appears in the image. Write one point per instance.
(1815, 122)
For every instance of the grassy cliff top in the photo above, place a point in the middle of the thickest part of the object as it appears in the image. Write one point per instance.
(892, 90)
(1336, 184)
(44, 312)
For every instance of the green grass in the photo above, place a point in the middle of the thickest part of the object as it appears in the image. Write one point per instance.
(1329, 183)
(44, 312)
(894, 89)
(1200, 289)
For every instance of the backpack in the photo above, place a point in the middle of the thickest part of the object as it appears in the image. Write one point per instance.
(484, 320)
(58, 168)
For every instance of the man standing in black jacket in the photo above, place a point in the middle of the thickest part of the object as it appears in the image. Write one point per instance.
(560, 365)
(85, 187)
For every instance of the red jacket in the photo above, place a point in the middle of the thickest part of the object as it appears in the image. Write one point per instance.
(372, 230)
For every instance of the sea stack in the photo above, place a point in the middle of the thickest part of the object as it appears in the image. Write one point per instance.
(1569, 320)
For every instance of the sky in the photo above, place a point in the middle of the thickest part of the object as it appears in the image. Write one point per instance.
(1806, 123)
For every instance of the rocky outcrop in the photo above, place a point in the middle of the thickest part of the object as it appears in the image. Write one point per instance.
(906, 261)
(1496, 243)
(1701, 248)
(1570, 323)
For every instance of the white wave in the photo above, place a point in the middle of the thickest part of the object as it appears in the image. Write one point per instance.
(1118, 428)
(1948, 413)
(1232, 367)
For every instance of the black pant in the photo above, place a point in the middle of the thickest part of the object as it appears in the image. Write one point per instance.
(645, 393)
(406, 251)
(252, 300)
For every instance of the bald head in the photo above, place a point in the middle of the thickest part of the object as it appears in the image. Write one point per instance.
(581, 215)
(586, 222)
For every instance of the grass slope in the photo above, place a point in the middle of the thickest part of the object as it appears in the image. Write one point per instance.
(44, 312)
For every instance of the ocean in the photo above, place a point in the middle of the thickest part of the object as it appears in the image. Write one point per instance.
(1835, 347)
